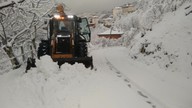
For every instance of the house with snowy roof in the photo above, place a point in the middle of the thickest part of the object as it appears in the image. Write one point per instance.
(93, 21)
(128, 8)
(123, 10)
(107, 22)
(111, 34)
(117, 12)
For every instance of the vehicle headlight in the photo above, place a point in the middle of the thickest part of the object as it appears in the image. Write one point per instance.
(70, 16)
(57, 16)
(63, 35)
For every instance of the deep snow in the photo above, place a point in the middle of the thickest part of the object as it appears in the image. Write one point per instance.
(70, 86)
(116, 81)
(159, 77)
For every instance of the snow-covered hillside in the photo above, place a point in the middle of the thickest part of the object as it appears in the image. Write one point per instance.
(159, 32)
(168, 44)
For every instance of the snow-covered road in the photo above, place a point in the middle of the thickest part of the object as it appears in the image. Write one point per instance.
(116, 82)
(164, 89)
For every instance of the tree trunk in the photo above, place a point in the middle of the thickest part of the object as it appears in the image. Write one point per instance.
(22, 52)
(31, 49)
(33, 40)
(13, 59)
(34, 43)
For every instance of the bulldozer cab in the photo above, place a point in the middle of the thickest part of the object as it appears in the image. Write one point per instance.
(66, 33)
(62, 36)
(85, 30)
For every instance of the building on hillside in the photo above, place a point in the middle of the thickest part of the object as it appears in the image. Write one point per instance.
(129, 8)
(93, 21)
(107, 22)
(123, 10)
(111, 34)
(117, 12)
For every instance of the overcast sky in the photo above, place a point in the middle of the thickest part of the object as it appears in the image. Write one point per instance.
(81, 6)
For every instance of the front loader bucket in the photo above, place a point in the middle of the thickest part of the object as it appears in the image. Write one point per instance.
(87, 61)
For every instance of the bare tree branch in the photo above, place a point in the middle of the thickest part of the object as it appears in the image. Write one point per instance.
(4, 34)
(32, 20)
(1, 37)
(11, 4)
(38, 3)
(2, 14)
(19, 34)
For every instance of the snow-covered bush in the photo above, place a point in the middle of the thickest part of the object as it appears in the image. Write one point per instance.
(168, 44)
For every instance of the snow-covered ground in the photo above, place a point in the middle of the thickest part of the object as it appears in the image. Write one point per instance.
(169, 89)
(154, 71)
(117, 81)
(70, 86)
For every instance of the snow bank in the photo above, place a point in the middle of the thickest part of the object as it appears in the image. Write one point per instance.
(168, 44)
(46, 86)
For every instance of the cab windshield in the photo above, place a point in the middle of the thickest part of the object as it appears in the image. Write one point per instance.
(64, 26)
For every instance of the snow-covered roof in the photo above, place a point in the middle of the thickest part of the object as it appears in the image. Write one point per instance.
(118, 7)
(110, 32)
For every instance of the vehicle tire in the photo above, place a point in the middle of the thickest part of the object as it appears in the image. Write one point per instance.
(83, 50)
(43, 49)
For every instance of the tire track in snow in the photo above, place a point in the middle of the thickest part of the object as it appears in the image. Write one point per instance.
(155, 103)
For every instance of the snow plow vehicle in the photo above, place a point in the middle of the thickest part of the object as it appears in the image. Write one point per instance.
(67, 40)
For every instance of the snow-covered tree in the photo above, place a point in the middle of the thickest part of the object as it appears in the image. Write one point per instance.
(18, 24)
